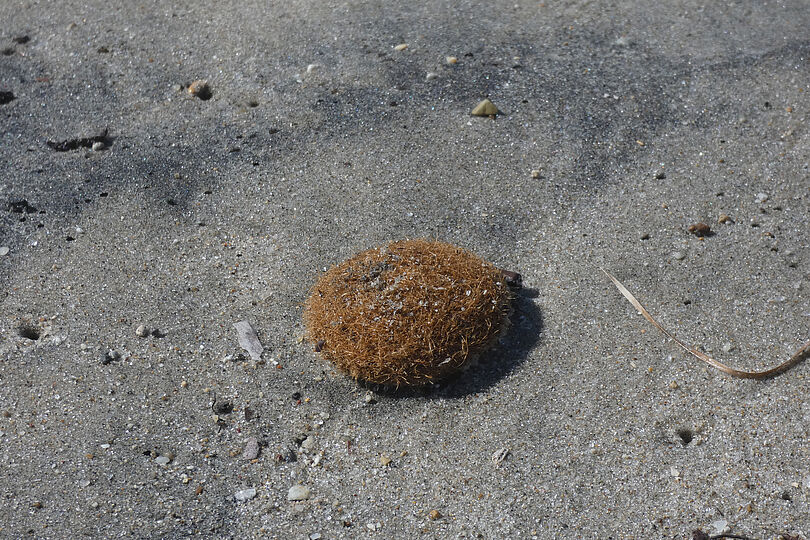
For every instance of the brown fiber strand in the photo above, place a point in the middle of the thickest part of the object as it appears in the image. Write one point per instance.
(797, 357)
(408, 313)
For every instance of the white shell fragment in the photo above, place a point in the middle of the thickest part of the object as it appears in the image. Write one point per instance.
(500, 455)
(248, 340)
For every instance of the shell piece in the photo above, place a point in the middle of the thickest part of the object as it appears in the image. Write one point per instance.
(485, 108)
(408, 313)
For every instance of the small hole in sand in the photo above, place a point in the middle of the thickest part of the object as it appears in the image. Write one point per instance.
(28, 332)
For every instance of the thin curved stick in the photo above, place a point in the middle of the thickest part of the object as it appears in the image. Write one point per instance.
(797, 357)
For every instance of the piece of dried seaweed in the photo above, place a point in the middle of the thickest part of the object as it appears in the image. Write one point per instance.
(409, 313)
(797, 357)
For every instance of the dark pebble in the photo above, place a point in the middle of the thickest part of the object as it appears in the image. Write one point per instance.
(109, 357)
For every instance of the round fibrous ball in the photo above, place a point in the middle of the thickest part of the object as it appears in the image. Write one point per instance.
(409, 313)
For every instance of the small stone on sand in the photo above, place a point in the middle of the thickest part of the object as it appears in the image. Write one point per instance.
(245, 494)
(485, 108)
(200, 89)
(251, 450)
(298, 493)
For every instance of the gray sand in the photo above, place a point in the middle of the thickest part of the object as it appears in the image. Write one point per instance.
(321, 139)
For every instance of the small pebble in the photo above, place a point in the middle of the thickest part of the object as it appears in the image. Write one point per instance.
(485, 108)
(434, 515)
(98, 146)
(727, 347)
(313, 67)
(385, 461)
(251, 450)
(721, 526)
(401, 47)
(200, 89)
(298, 493)
(315, 536)
(308, 443)
(661, 175)
(762, 197)
(110, 356)
(451, 60)
(431, 75)
(4, 250)
(724, 218)
(623, 41)
(535, 173)
(162, 460)
(142, 331)
(700, 229)
(673, 385)
(245, 494)
(678, 255)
